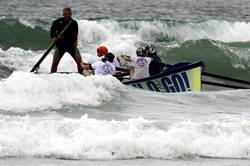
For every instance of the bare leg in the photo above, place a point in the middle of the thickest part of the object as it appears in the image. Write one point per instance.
(56, 59)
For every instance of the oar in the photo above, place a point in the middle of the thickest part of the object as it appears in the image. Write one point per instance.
(122, 69)
(226, 78)
(36, 66)
(223, 85)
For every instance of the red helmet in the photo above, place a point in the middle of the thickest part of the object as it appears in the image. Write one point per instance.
(102, 50)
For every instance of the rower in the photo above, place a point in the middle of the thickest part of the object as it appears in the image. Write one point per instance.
(154, 68)
(140, 64)
(102, 51)
(101, 67)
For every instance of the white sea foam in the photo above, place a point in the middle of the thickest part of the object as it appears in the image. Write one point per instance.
(213, 29)
(24, 90)
(123, 39)
(87, 138)
(112, 32)
(17, 58)
(118, 39)
(24, 60)
(27, 23)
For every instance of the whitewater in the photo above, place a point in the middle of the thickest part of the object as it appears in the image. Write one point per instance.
(68, 119)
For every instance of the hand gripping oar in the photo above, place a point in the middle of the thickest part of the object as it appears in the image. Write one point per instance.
(36, 66)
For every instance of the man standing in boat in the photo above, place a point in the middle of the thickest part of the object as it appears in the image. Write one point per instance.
(67, 42)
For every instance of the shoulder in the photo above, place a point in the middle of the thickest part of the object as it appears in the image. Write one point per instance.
(57, 22)
(96, 63)
(109, 63)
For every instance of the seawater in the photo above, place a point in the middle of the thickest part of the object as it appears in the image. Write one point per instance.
(99, 121)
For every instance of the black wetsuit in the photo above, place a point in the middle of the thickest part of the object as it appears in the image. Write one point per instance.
(154, 67)
(69, 38)
(68, 42)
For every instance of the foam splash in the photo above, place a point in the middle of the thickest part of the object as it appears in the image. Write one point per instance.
(213, 29)
(118, 39)
(24, 90)
(87, 138)
(17, 58)
(219, 30)
(122, 37)
(27, 23)
(124, 34)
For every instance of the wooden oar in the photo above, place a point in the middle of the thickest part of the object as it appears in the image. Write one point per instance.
(36, 66)
(223, 85)
(226, 78)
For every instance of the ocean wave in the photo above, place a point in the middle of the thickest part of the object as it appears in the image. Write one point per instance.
(175, 41)
(26, 34)
(87, 138)
(153, 30)
(23, 34)
(23, 91)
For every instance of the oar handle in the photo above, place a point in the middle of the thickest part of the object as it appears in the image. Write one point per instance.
(52, 44)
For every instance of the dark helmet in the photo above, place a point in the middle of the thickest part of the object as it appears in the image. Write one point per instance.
(139, 51)
(150, 48)
(110, 56)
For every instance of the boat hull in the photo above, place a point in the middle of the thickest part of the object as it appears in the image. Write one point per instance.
(178, 78)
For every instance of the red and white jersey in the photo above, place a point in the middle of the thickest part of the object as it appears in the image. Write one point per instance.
(103, 68)
(141, 67)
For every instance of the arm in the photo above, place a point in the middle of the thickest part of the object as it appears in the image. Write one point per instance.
(127, 58)
(85, 68)
(160, 64)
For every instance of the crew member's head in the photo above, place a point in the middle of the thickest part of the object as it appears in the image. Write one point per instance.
(102, 51)
(150, 50)
(140, 51)
(67, 13)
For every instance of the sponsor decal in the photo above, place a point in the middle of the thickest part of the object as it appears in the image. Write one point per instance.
(174, 83)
